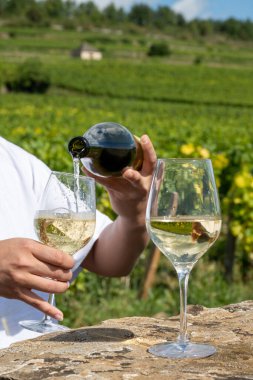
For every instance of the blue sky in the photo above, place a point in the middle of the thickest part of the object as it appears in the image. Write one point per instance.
(215, 9)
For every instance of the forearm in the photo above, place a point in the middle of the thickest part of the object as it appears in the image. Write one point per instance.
(118, 248)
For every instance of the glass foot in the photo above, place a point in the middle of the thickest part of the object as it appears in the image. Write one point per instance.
(44, 326)
(180, 351)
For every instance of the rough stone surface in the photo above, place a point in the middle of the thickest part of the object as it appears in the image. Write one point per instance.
(117, 349)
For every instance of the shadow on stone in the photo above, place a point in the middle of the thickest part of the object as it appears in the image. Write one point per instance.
(93, 335)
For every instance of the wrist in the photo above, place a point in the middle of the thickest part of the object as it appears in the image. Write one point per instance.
(133, 225)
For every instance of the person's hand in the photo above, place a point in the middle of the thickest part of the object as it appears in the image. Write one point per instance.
(128, 193)
(26, 264)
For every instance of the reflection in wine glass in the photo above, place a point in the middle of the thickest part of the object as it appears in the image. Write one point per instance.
(65, 220)
(183, 219)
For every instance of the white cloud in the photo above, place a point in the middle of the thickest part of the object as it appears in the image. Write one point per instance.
(191, 9)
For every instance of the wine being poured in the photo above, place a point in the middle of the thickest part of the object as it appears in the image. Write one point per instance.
(106, 149)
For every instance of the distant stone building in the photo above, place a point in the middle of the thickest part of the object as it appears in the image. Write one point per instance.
(87, 52)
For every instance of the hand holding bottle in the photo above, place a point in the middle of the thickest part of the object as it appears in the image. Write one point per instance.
(128, 193)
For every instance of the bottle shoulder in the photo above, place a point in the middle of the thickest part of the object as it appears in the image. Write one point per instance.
(110, 135)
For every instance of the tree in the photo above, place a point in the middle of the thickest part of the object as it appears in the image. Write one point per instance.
(3, 5)
(231, 27)
(205, 27)
(14, 7)
(30, 76)
(114, 15)
(69, 8)
(54, 8)
(35, 13)
(159, 49)
(201, 27)
(141, 15)
(88, 11)
(246, 32)
(164, 17)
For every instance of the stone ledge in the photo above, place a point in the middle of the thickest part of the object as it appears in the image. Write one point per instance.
(117, 349)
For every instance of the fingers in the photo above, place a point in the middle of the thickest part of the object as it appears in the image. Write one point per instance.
(149, 156)
(104, 181)
(51, 256)
(89, 174)
(133, 176)
(28, 264)
(40, 304)
(149, 162)
(43, 262)
(43, 284)
(44, 270)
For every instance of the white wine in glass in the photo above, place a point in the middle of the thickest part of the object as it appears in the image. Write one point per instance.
(65, 220)
(183, 219)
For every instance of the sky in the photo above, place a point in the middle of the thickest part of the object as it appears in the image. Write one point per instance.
(190, 9)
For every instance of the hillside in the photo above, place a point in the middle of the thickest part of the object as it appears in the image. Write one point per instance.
(56, 43)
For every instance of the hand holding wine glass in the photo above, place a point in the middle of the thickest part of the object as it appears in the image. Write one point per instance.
(65, 220)
(184, 220)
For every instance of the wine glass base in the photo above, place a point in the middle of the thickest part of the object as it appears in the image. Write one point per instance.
(179, 351)
(43, 326)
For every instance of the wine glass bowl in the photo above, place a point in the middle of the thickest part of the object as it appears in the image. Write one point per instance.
(183, 219)
(65, 220)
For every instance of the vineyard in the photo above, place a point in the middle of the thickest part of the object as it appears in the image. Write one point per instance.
(188, 110)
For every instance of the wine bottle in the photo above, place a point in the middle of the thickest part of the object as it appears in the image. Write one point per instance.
(106, 149)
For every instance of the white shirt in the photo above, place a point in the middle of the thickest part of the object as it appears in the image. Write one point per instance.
(22, 180)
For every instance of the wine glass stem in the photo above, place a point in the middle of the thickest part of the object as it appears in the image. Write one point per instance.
(183, 277)
(51, 302)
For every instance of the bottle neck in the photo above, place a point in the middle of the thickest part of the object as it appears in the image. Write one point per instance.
(78, 147)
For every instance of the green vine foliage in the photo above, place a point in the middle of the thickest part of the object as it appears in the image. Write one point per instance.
(29, 76)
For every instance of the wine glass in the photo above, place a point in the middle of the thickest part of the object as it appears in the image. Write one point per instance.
(183, 219)
(65, 220)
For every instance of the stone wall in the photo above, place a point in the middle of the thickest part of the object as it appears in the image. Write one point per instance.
(117, 349)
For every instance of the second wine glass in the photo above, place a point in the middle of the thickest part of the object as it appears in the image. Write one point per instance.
(65, 220)
(183, 220)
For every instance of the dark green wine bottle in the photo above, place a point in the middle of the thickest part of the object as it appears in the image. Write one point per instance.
(106, 149)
